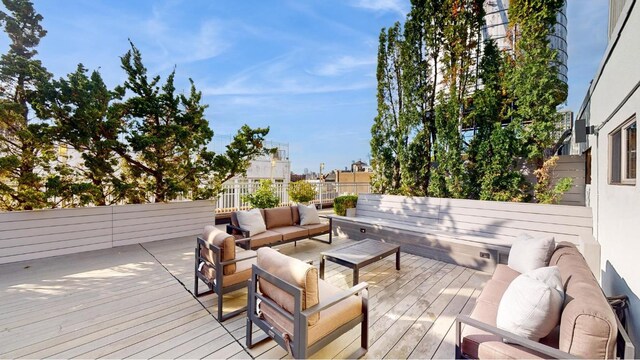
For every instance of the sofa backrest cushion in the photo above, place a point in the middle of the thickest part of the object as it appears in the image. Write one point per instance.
(293, 271)
(226, 244)
(588, 325)
(278, 217)
(295, 215)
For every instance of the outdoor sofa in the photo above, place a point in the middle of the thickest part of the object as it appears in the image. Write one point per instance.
(283, 226)
(588, 326)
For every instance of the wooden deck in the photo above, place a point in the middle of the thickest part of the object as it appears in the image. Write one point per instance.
(135, 301)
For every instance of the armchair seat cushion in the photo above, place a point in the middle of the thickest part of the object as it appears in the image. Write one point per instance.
(291, 232)
(316, 229)
(330, 319)
(243, 269)
(265, 238)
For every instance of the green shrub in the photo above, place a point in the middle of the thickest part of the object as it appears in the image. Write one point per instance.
(264, 197)
(344, 202)
(301, 191)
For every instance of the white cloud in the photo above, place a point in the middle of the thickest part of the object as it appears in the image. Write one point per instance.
(279, 76)
(399, 6)
(344, 65)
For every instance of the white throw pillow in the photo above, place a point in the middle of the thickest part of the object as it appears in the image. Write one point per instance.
(308, 214)
(529, 253)
(251, 220)
(532, 304)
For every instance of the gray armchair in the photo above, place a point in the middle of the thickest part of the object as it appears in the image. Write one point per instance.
(299, 311)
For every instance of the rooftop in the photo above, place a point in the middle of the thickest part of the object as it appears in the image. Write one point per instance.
(136, 301)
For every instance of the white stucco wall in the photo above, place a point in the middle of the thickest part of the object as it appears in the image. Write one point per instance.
(616, 208)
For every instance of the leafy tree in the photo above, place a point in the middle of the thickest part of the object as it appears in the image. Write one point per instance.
(26, 153)
(532, 75)
(301, 191)
(166, 135)
(492, 167)
(546, 192)
(79, 106)
(264, 197)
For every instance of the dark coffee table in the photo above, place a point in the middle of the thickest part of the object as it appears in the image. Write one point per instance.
(360, 253)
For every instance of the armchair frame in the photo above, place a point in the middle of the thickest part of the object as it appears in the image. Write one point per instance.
(217, 286)
(298, 345)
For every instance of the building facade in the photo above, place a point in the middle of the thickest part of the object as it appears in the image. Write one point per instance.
(611, 109)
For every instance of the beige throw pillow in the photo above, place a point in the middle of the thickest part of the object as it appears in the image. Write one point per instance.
(251, 220)
(532, 304)
(529, 253)
(308, 214)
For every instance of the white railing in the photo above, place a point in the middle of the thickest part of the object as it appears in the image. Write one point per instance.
(231, 197)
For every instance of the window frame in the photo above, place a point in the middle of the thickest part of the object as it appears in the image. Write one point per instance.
(622, 129)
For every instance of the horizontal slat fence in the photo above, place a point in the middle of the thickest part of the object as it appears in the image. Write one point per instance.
(26, 235)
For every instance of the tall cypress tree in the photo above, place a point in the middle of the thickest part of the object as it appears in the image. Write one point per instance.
(389, 133)
(26, 153)
(461, 35)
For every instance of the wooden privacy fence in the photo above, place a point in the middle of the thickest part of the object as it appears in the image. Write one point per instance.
(26, 235)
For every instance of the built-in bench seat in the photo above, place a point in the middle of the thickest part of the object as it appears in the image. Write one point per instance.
(472, 233)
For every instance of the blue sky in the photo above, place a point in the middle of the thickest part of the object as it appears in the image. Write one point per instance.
(304, 68)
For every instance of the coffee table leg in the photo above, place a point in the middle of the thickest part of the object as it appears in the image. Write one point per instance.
(356, 275)
(398, 260)
(322, 267)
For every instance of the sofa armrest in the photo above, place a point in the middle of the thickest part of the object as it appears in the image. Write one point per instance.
(512, 338)
(360, 288)
(245, 233)
(244, 243)
(590, 250)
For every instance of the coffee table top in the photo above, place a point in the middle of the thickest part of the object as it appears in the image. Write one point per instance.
(361, 251)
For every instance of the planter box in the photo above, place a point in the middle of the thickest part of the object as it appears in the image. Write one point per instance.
(351, 212)
(26, 235)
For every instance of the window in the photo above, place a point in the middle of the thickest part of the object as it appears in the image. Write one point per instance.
(623, 154)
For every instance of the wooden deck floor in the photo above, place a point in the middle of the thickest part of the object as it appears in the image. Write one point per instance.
(136, 302)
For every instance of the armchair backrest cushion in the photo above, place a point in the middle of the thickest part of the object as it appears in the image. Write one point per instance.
(588, 326)
(225, 242)
(293, 271)
(278, 217)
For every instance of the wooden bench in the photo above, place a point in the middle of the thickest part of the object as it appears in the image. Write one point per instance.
(472, 233)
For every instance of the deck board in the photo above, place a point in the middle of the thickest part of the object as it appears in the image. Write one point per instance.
(136, 302)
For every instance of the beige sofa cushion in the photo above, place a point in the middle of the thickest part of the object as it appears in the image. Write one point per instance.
(588, 326)
(295, 215)
(222, 240)
(242, 273)
(316, 229)
(330, 319)
(293, 271)
(291, 232)
(278, 217)
(252, 221)
(265, 239)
